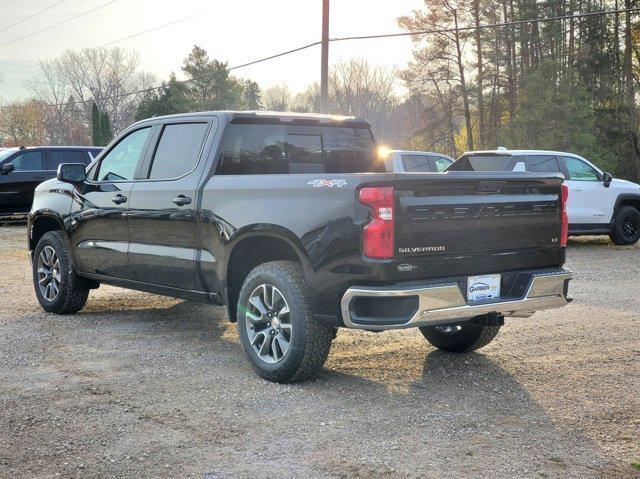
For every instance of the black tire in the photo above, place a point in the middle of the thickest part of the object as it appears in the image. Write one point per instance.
(309, 339)
(70, 297)
(626, 226)
(460, 338)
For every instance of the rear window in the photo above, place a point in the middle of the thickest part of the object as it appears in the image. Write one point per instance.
(57, 157)
(417, 163)
(480, 163)
(293, 149)
(542, 163)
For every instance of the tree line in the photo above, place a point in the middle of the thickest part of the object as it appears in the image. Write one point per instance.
(568, 84)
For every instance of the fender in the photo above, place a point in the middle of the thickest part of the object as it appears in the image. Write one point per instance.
(623, 197)
(44, 213)
(273, 231)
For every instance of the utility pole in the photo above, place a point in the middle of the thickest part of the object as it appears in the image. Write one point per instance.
(324, 60)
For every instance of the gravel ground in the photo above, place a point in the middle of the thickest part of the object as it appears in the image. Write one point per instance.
(137, 385)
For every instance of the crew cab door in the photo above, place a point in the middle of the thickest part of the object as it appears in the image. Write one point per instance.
(589, 201)
(163, 208)
(17, 187)
(100, 230)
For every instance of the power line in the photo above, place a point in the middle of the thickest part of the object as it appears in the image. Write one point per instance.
(147, 31)
(31, 16)
(57, 24)
(485, 26)
(359, 37)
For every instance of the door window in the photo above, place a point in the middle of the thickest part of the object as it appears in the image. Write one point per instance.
(542, 163)
(178, 150)
(579, 170)
(416, 163)
(57, 157)
(28, 161)
(121, 162)
(441, 163)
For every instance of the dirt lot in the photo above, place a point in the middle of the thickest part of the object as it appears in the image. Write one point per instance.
(138, 385)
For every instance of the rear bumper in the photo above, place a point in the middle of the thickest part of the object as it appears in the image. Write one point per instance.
(395, 307)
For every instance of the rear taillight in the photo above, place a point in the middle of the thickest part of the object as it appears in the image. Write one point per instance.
(377, 236)
(564, 219)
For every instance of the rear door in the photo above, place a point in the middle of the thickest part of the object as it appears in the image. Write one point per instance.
(163, 208)
(16, 192)
(100, 232)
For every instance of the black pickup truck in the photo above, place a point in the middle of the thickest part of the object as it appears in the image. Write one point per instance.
(291, 221)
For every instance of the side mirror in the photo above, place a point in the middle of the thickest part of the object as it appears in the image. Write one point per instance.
(7, 168)
(607, 178)
(71, 173)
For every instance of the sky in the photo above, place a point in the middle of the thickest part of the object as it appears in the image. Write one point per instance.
(236, 31)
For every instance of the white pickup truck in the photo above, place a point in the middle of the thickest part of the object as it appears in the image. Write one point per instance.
(598, 203)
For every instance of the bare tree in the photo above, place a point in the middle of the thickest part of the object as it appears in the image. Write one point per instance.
(109, 77)
(361, 89)
(277, 98)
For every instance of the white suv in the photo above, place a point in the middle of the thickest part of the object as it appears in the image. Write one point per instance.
(404, 161)
(598, 203)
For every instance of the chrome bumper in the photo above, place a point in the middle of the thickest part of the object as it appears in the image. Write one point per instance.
(444, 303)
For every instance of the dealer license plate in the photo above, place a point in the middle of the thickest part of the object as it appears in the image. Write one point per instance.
(483, 287)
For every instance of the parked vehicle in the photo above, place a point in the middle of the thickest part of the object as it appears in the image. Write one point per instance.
(598, 203)
(291, 221)
(404, 161)
(22, 169)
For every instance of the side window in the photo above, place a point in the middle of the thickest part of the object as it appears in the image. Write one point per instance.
(178, 150)
(579, 170)
(28, 161)
(121, 162)
(56, 157)
(441, 163)
(519, 166)
(417, 163)
(255, 149)
(542, 163)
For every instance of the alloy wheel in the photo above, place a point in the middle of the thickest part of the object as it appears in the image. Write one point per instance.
(630, 226)
(268, 323)
(48, 273)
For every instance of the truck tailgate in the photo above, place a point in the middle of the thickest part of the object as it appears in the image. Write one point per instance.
(462, 213)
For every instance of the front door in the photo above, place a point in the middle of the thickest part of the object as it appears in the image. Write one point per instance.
(589, 201)
(100, 230)
(17, 187)
(162, 216)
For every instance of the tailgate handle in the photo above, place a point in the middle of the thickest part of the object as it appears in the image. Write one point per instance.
(489, 186)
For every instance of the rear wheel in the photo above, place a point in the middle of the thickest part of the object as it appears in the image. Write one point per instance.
(56, 285)
(279, 333)
(460, 338)
(626, 226)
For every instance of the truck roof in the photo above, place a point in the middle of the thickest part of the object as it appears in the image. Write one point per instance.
(504, 151)
(271, 116)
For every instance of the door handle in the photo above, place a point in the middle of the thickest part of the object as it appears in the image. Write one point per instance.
(182, 200)
(577, 189)
(118, 199)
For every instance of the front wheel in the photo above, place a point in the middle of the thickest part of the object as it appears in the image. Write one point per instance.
(278, 331)
(53, 277)
(460, 338)
(626, 226)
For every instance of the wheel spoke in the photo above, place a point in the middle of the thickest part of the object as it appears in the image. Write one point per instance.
(265, 347)
(254, 319)
(283, 343)
(286, 327)
(283, 311)
(267, 296)
(257, 303)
